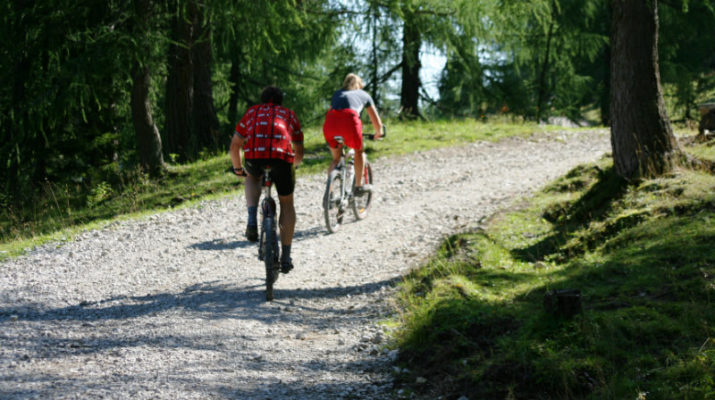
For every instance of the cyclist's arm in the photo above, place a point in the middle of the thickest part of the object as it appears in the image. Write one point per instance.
(299, 149)
(235, 151)
(375, 119)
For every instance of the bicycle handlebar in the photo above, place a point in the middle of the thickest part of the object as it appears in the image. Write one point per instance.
(242, 171)
(371, 136)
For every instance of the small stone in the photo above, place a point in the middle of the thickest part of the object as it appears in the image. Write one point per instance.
(393, 355)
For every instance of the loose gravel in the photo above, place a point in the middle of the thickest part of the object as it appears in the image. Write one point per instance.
(172, 306)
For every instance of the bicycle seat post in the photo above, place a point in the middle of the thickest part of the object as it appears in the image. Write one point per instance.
(266, 176)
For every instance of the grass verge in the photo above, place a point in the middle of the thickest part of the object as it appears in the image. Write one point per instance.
(479, 319)
(64, 209)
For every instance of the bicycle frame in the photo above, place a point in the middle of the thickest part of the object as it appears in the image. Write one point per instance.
(347, 171)
(337, 198)
(268, 205)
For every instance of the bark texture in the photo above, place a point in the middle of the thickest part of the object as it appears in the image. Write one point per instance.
(148, 138)
(641, 136)
(147, 134)
(409, 96)
(180, 89)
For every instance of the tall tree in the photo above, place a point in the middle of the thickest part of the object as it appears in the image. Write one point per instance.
(205, 120)
(284, 43)
(62, 60)
(180, 86)
(411, 64)
(542, 57)
(544, 67)
(147, 133)
(191, 121)
(641, 136)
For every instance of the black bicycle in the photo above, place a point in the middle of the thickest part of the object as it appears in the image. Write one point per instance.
(268, 243)
(339, 188)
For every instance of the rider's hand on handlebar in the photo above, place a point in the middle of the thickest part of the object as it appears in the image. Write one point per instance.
(239, 172)
(381, 134)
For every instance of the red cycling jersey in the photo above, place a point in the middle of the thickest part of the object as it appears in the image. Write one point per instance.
(269, 130)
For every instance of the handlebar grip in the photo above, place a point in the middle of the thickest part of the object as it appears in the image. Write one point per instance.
(371, 136)
(233, 171)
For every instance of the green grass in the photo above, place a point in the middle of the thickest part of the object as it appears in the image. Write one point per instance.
(62, 210)
(473, 319)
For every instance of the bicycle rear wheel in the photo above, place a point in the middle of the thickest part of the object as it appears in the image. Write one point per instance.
(269, 244)
(332, 201)
(361, 205)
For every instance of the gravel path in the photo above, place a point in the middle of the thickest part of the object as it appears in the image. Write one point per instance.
(172, 306)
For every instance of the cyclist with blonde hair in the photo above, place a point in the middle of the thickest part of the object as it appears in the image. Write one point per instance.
(343, 119)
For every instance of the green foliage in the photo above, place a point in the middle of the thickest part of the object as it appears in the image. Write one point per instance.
(686, 52)
(67, 67)
(284, 43)
(473, 318)
(535, 61)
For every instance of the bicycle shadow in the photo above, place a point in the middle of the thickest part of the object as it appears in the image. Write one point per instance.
(222, 244)
(213, 299)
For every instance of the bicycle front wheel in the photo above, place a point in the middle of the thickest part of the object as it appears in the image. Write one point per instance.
(361, 205)
(332, 201)
(269, 244)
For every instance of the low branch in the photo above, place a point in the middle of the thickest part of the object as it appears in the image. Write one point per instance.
(386, 75)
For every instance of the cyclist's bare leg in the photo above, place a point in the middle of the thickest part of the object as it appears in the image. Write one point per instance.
(287, 219)
(335, 152)
(359, 162)
(252, 190)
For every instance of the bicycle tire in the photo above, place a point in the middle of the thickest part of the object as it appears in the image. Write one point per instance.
(332, 201)
(361, 205)
(270, 255)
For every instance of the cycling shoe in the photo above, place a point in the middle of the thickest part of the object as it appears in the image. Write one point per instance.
(286, 266)
(360, 191)
(252, 233)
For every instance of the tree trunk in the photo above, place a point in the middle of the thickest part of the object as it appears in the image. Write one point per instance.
(148, 139)
(147, 134)
(411, 42)
(541, 90)
(180, 89)
(641, 136)
(374, 15)
(205, 119)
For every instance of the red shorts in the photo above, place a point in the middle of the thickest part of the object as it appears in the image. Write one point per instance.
(345, 123)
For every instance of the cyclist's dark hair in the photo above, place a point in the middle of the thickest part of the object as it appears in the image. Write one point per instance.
(272, 94)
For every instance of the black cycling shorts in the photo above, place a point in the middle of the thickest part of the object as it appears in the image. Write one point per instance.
(282, 173)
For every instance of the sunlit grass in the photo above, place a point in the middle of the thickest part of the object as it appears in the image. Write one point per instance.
(473, 318)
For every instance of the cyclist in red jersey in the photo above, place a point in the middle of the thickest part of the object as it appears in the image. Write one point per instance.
(269, 134)
(343, 119)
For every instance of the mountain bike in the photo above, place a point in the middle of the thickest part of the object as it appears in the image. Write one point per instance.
(339, 188)
(268, 243)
